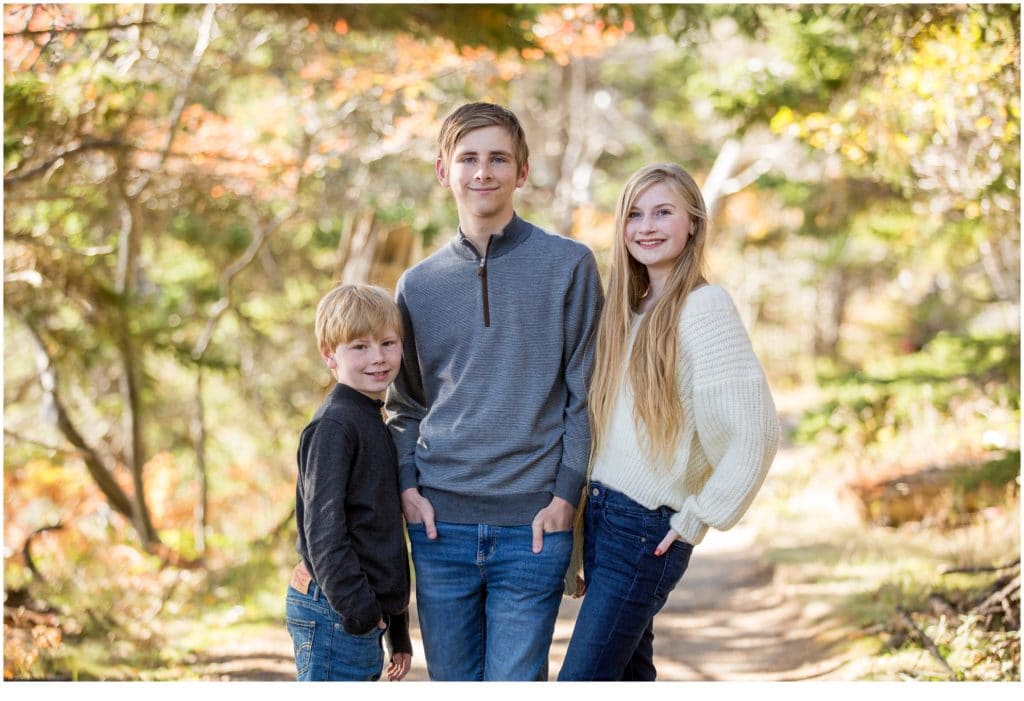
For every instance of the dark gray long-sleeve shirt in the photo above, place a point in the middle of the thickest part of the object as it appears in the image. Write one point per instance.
(350, 515)
(489, 412)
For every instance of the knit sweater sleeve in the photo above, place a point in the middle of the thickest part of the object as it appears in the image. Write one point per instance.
(405, 402)
(583, 308)
(732, 407)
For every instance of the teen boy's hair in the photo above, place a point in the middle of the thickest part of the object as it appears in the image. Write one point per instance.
(477, 115)
(353, 311)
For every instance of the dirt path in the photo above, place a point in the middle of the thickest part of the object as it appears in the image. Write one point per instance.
(727, 620)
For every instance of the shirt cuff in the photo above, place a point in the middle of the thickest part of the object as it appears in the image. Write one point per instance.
(407, 477)
(398, 634)
(686, 523)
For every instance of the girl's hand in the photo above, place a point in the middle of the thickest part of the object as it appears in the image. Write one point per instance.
(581, 587)
(666, 542)
(399, 666)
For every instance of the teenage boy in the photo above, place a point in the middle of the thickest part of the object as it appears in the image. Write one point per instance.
(352, 584)
(489, 412)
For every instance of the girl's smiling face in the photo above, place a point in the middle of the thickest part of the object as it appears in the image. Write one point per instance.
(657, 228)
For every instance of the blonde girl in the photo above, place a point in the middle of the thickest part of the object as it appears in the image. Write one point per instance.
(683, 424)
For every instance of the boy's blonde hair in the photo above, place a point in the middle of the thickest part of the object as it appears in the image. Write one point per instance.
(477, 115)
(353, 311)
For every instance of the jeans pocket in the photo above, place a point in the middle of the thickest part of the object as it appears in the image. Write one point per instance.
(624, 524)
(302, 633)
(361, 655)
(374, 632)
(676, 560)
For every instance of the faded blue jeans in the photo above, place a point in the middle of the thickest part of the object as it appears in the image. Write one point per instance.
(324, 650)
(487, 604)
(626, 586)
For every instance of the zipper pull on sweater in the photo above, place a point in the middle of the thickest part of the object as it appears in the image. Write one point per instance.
(482, 272)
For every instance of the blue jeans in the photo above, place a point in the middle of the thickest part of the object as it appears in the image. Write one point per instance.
(324, 651)
(487, 604)
(626, 586)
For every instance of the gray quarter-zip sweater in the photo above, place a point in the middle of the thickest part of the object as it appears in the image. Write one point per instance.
(489, 411)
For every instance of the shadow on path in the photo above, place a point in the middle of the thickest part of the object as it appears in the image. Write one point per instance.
(726, 621)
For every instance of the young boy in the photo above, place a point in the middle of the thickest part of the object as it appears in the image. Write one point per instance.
(489, 411)
(352, 584)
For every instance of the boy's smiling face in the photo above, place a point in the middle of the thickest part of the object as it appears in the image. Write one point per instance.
(367, 364)
(483, 177)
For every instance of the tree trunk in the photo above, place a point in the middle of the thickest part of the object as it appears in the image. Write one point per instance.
(101, 474)
(131, 360)
(199, 436)
(360, 250)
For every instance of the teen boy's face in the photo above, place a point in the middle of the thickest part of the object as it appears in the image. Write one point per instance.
(367, 364)
(483, 178)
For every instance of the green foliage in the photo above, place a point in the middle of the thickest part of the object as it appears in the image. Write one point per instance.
(998, 472)
(299, 122)
(465, 24)
(869, 406)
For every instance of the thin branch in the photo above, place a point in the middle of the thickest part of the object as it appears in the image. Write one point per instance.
(93, 462)
(26, 549)
(84, 145)
(79, 30)
(975, 570)
(923, 637)
(202, 42)
(998, 596)
(38, 443)
(237, 266)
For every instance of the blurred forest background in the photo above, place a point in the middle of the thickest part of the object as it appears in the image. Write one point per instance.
(183, 182)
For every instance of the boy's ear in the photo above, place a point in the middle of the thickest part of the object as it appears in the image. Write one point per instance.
(521, 180)
(441, 171)
(329, 359)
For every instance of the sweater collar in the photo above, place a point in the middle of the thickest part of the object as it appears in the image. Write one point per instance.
(514, 233)
(344, 393)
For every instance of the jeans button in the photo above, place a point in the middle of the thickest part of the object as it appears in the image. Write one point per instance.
(596, 491)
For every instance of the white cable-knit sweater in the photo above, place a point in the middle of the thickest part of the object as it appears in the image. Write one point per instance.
(730, 427)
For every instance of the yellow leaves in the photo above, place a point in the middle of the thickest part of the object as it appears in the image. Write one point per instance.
(853, 153)
(816, 120)
(783, 118)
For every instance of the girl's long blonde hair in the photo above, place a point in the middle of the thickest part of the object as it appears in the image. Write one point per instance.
(651, 368)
